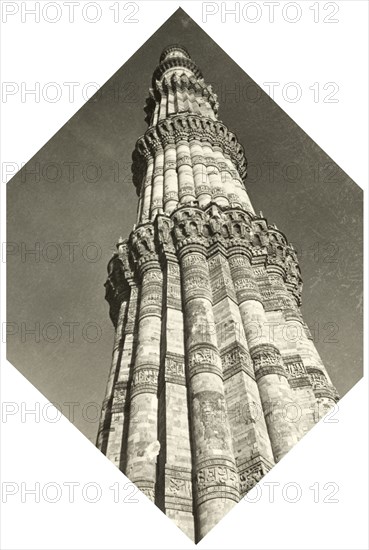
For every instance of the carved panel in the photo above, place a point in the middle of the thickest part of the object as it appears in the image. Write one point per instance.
(203, 359)
(131, 318)
(175, 369)
(144, 380)
(178, 488)
(119, 396)
(267, 360)
(194, 259)
(216, 261)
(321, 387)
(294, 366)
(236, 358)
(184, 159)
(217, 480)
(296, 371)
(318, 378)
(239, 261)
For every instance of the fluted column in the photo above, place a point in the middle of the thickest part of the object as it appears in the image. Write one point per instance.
(110, 413)
(186, 182)
(158, 182)
(202, 186)
(251, 443)
(304, 365)
(170, 177)
(174, 495)
(239, 188)
(217, 190)
(142, 442)
(162, 114)
(216, 479)
(147, 192)
(286, 332)
(275, 391)
(117, 437)
(171, 103)
(225, 175)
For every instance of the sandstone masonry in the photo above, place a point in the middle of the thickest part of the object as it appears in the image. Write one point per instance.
(214, 373)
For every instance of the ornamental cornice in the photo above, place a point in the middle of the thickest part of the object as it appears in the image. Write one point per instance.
(186, 127)
(233, 229)
(172, 62)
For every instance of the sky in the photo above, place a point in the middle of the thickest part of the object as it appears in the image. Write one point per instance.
(75, 198)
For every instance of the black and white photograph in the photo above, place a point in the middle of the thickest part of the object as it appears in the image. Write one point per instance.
(184, 284)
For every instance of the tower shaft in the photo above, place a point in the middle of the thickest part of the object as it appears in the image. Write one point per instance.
(214, 376)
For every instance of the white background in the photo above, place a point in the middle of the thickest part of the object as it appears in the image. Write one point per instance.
(36, 450)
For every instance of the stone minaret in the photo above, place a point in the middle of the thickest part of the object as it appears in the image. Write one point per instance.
(214, 374)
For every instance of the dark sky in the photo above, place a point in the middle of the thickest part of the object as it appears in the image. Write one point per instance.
(294, 183)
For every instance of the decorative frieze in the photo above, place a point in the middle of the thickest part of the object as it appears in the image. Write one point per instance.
(322, 388)
(217, 479)
(267, 360)
(144, 380)
(203, 359)
(294, 366)
(235, 358)
(181, 128)
(178, 488)
(296, 371)
(175, 368)
(184, 159)
(151, 297)
(221, 282)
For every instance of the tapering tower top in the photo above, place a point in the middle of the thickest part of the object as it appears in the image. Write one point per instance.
(177, 87)
(174, 50)
(186, 154)
(175, 59)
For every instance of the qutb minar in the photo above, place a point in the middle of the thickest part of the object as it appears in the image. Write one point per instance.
(214, 376)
